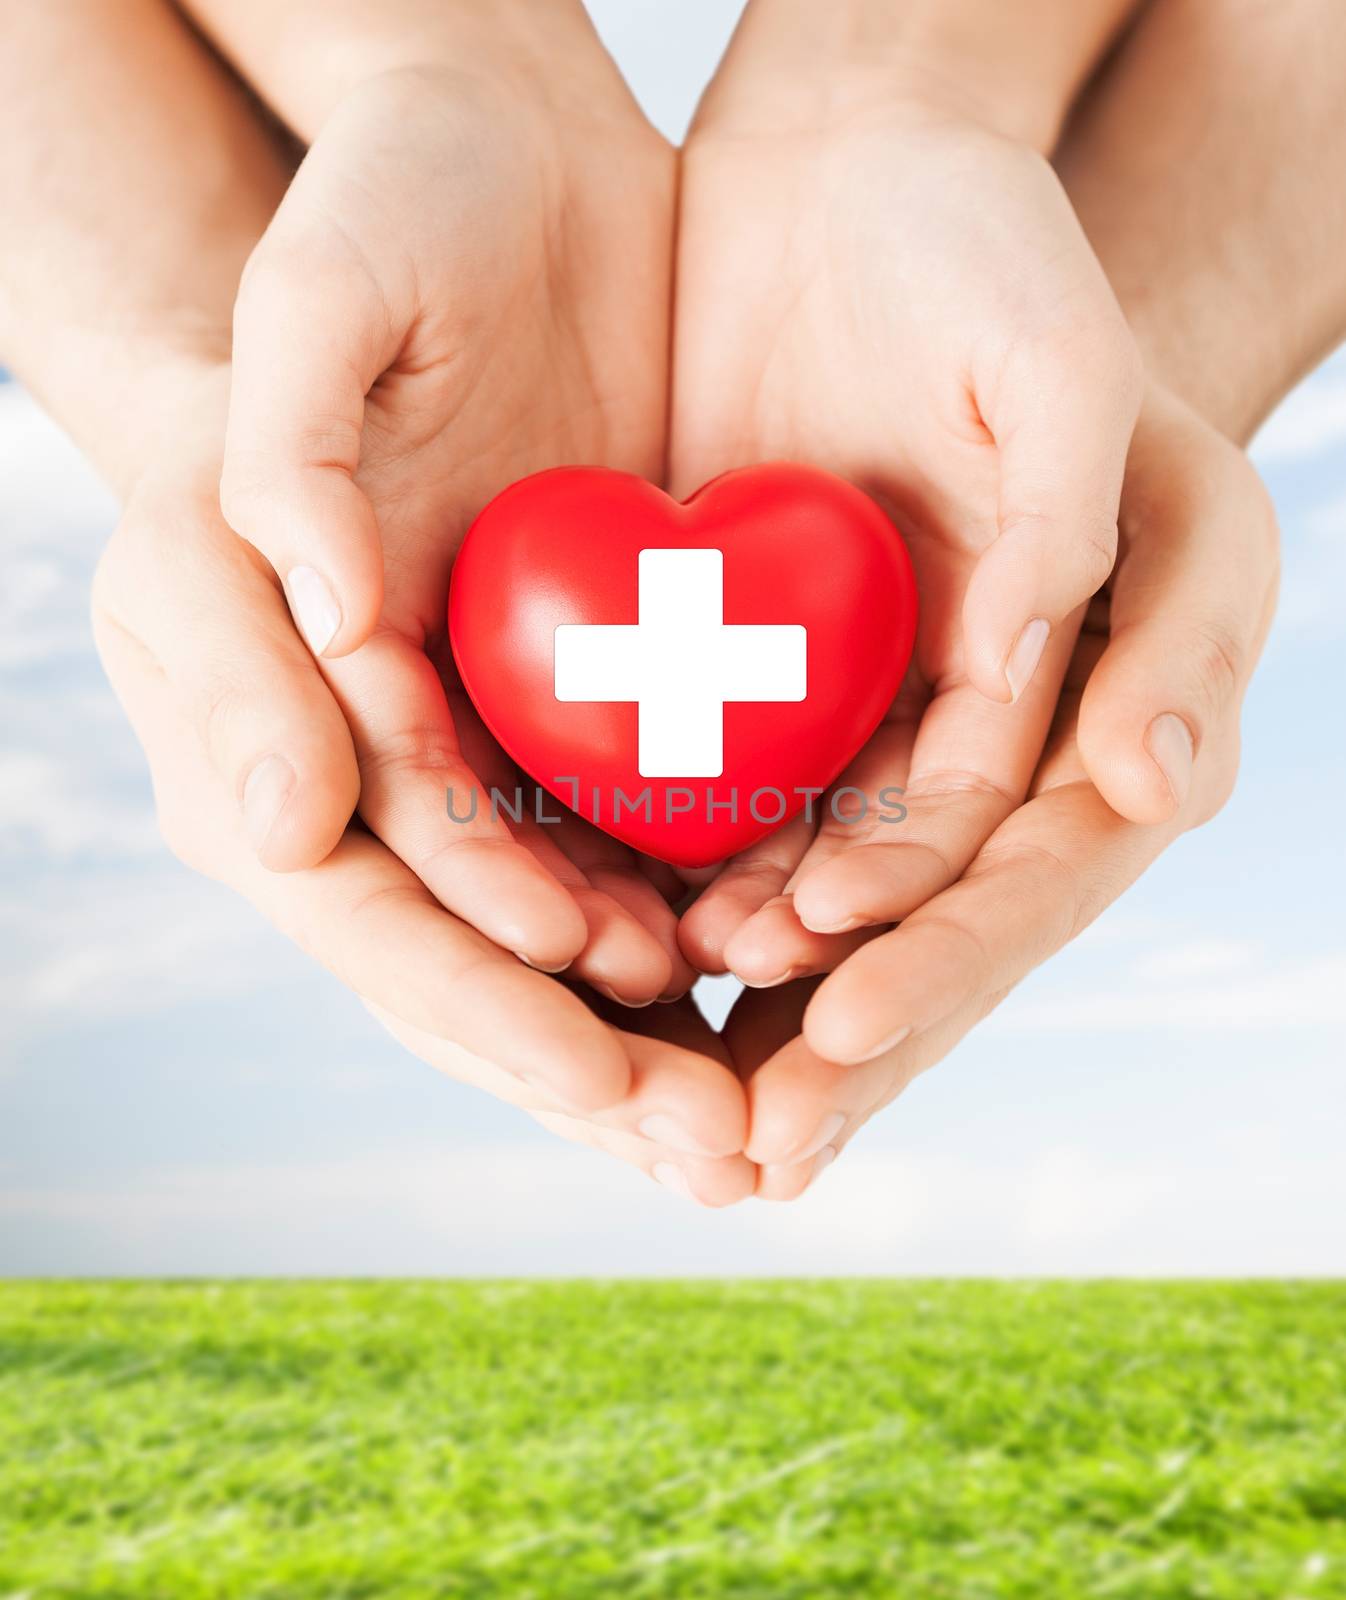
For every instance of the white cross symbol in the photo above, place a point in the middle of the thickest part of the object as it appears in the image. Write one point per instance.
(680, 663)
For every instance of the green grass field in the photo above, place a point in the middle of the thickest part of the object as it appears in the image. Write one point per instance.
(776, 1440)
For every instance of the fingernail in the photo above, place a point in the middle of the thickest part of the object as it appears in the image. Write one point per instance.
(672, 1177)
(619, 999)
(822, 1160)
(268, 786)
(538, 966)
(664, 1129)
(774, 983)
(845, 926)
(884, 1045)
(824, 1133)
(1024, 657)
(314, 606)
(1169, 741)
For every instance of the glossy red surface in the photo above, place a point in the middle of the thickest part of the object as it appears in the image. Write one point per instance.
(799, 546)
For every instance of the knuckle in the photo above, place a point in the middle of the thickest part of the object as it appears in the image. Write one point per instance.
(962, 786)
(761, 869)
(327, 441)
(1089, 542)
(975, 961)
(1217, 658)
(409, 752)
(1055, 882)
(1098, 552)
(216, 705)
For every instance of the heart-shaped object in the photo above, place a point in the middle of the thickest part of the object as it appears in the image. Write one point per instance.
(686, 676)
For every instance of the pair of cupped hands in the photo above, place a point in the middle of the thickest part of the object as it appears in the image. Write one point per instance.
(477, 274)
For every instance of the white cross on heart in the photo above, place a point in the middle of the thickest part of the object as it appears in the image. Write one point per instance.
(680, 663)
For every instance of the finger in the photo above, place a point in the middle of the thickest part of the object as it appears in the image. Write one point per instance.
(710, 1182)
(665, 879)
(797, 1093)
(1062, 418)
(799, 1103)
(443, 976)
(425, 802)
(178, 584)
(745, 883)
(683, 1101)
(927, 791)
(366, 917)
(311, 335)
(794, 1109)
(683, 1122)
(610, 869)
(968, 767)
(628, 952)
(1191, 604)
(761, 1021)
(774, 947)
(1041, 878)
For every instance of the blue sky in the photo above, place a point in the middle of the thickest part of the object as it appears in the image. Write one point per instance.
(182, 1091)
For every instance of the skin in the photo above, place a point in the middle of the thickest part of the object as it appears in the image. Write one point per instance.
(192, 623)
(487, 247)
(460, 1001)
(1198, 563)
(366, 914)
(1182, 194)
(984, 400)
(939, 331)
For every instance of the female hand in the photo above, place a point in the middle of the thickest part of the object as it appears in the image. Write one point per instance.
(934, 327)
(466, 282)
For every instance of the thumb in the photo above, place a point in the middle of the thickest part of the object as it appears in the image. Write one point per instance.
(1191, 604)
(1062, 426)
(307, 329)
(177, 584)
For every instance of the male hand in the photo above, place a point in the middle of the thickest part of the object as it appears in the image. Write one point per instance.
(196, 639)
(1180, 626)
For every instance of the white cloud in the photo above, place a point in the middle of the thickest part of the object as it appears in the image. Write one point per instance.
(50, 806)
(399, 1211)
(1198, 958)
(126, 943)
(1311, 993)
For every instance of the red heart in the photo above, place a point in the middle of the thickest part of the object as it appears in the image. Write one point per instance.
(631, 576)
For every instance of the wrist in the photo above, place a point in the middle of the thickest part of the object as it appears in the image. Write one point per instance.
(306, 56)
(1013, 71)
(137, 410)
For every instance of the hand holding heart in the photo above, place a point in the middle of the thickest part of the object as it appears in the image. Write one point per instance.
(445, 302)
(466, 285)
(683, 663)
